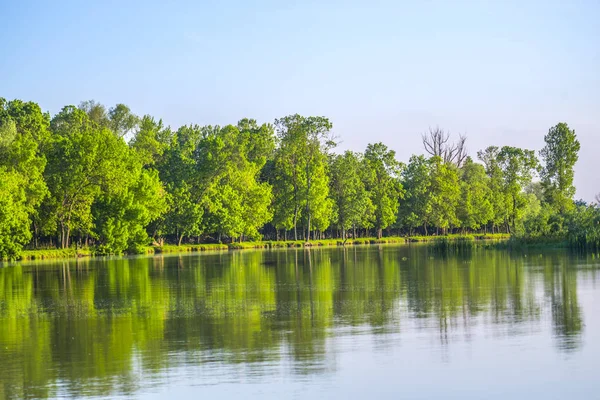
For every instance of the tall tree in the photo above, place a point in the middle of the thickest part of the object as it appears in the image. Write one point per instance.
(178, 171)
(236, 202)
(510, 169)
(415, 210)
(445, 192)
(14, 218)
(80, 164)
(498, 197)
(23, 137)
(559, 155)
(350, 198)
(318, 141)
(289, 179)
(474, 206)
(301, 157)
(127, 203)
(383, 184)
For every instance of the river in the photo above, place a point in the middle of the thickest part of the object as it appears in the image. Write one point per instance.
(391, 321)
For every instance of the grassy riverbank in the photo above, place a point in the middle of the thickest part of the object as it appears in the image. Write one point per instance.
(45, 254)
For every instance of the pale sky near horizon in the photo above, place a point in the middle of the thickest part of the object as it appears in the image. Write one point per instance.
(502, 72)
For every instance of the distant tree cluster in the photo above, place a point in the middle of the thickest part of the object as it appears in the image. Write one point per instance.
(89, 176)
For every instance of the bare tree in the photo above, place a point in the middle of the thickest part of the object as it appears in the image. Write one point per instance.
(597, 198)
(437, 143)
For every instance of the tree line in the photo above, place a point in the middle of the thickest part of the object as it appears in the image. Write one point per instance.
(92, 176)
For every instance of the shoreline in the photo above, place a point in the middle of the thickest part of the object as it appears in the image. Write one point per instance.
(55, 254)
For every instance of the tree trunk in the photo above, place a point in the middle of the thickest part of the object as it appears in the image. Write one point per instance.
(62, 235)
(308, 200)
(379, 233)
(35, 236)
(295, 222)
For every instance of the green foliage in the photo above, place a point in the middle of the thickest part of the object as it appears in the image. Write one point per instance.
(83, 159)
(98, 186)
(151, 140)
(382, 172)
(230, 160)
(415, 210)
(560, 155)
(510, 170)
(177, 169)
(445, 192)
(14, 218)
(351, 201)
(474, 205)
(121, 120)
(583, 227)
(23, 135)
(105, 179)
(121, 217)
(300, 161)
(184, 216)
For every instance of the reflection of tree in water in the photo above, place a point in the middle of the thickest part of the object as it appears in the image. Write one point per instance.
(561, 289)
(84, 324)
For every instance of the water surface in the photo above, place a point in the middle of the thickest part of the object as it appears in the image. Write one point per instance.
(336, 323)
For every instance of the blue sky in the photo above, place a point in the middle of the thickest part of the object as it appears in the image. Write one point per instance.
(502, 72)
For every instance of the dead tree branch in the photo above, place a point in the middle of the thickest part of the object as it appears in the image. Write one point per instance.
(437, 143)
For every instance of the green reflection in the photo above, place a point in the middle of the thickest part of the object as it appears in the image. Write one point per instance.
(91, 327)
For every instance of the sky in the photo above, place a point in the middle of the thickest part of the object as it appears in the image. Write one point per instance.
(501, 72)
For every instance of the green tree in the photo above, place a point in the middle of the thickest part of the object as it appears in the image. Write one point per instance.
(517, 167)
(415, 210)
(498, 196)
(122, 120)
(81, 162)
(123, 210)
(559, 155)
(317, 143)
(23, 136)
(230, 161)
(14, 218)
(178, 171)
(383, 183)
(474, 206)
(300, 159)
(184, 215)
(350, 198)
(288, 178)
(151, 140)
(283, 189)
(445, 192)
